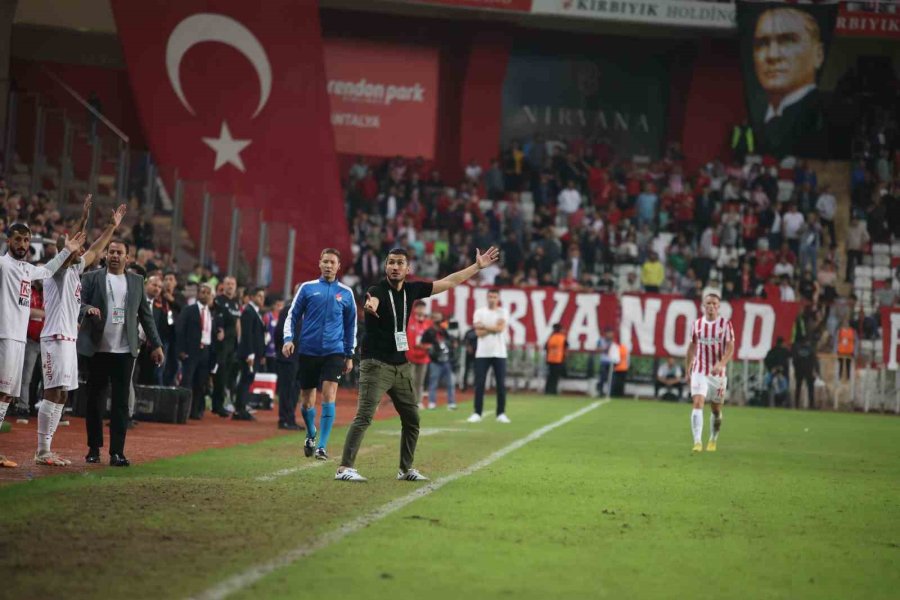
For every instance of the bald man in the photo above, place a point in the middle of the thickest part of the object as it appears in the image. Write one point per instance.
(787, 55)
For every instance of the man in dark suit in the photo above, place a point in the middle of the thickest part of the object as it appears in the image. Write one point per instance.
(149, 373)
(176, 302)
(193, 341)
(113, 302)
(286, 370)
(787, 53)
(251, 351)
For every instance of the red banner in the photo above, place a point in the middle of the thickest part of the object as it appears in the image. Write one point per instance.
(383, 97)
(867, 24)
(513, 5)
(890, 336)
(232, 93)
(653, 325)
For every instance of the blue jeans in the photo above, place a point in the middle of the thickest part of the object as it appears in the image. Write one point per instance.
(809, 256)
(436, 372)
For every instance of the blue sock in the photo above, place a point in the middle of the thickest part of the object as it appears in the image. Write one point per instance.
(309, 417)
(326, 422)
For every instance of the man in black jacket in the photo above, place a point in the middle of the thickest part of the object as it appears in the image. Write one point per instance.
(148, 373)
(806, 369)
(286, 370)
(251, 350)
(193, 341)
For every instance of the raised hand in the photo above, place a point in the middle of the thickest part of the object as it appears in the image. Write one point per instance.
(371, 305)
(490, 256)
(75, 242)
(119, 215)
(86, 208)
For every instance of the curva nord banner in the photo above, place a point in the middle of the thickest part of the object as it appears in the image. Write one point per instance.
(783, 52)
(652, 324)
(614, 92)
(890, 334)
(232, 94)
(383, 97)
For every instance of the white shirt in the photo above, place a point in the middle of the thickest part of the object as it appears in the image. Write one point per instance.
(569, 200)
(115, 339)
(665, 371)
(473, 172)
(827, 206)
(492, 345)
(62, 302)
(787, 293)
(15, 292)
(792, 222)
(205, 325)
(789, 100)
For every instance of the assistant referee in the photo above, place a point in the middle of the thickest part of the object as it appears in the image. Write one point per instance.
(384, 368)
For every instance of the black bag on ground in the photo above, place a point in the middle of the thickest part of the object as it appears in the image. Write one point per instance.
(162, 404)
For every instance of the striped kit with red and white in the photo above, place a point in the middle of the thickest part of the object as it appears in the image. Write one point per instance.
(710, 339)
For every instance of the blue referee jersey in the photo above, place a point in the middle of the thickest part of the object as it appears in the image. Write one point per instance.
(323, 317)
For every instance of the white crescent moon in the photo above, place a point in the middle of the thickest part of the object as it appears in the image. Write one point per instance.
(211, 27)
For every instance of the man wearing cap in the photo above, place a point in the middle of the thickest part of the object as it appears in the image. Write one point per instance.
(384, 368)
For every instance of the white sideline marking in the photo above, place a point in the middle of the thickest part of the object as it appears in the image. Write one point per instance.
(309, 465)
(290, 471)
(426, 431)
(243, 580)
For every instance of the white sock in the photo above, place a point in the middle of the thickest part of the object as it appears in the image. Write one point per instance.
(3, 407)
(697, 424)
(715, 424)
(48, 420)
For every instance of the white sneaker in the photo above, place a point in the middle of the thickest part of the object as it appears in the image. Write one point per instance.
(475, 418)
(502, 418)
(432, 406)
(411, 475)
(349, 475)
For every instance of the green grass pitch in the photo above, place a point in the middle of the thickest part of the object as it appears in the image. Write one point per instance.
(609, 505)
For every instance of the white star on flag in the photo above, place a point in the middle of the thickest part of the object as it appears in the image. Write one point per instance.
(228, 149)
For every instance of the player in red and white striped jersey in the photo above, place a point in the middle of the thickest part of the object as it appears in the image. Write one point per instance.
(711, 347)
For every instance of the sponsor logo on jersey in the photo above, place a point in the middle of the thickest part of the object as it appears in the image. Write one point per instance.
(25, 293)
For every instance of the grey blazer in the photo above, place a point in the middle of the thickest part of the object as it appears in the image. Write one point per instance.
(93, 295)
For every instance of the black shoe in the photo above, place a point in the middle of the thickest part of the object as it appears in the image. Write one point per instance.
(222, 413)
(93, 456)
(118, 460)
(309, 446)
(131, 424)
(196, 417)
(289, 426)
(242, 416)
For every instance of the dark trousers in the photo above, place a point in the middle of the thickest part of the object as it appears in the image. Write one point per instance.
(854, 257)
(845, 363)
(832, 237)
(668, 389)
(242, 397)
(481, 370)
(170, 369)
(115, 370)
(224, 374)
(288, 388)
(554, 372)
(146, 370)
(605, 371)
(195, 377)
(468, 367)
(618, 383)
(809, 379)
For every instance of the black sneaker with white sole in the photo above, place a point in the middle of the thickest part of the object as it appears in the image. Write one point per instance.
(309, 446)
(321, 454)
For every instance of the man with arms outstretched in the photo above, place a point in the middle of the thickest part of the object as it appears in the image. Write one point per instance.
(16, 276)
(711, 347)
(384, 368)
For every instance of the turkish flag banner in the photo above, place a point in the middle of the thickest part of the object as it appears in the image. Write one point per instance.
(232, 93)
(651, 324)
(383, 97)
